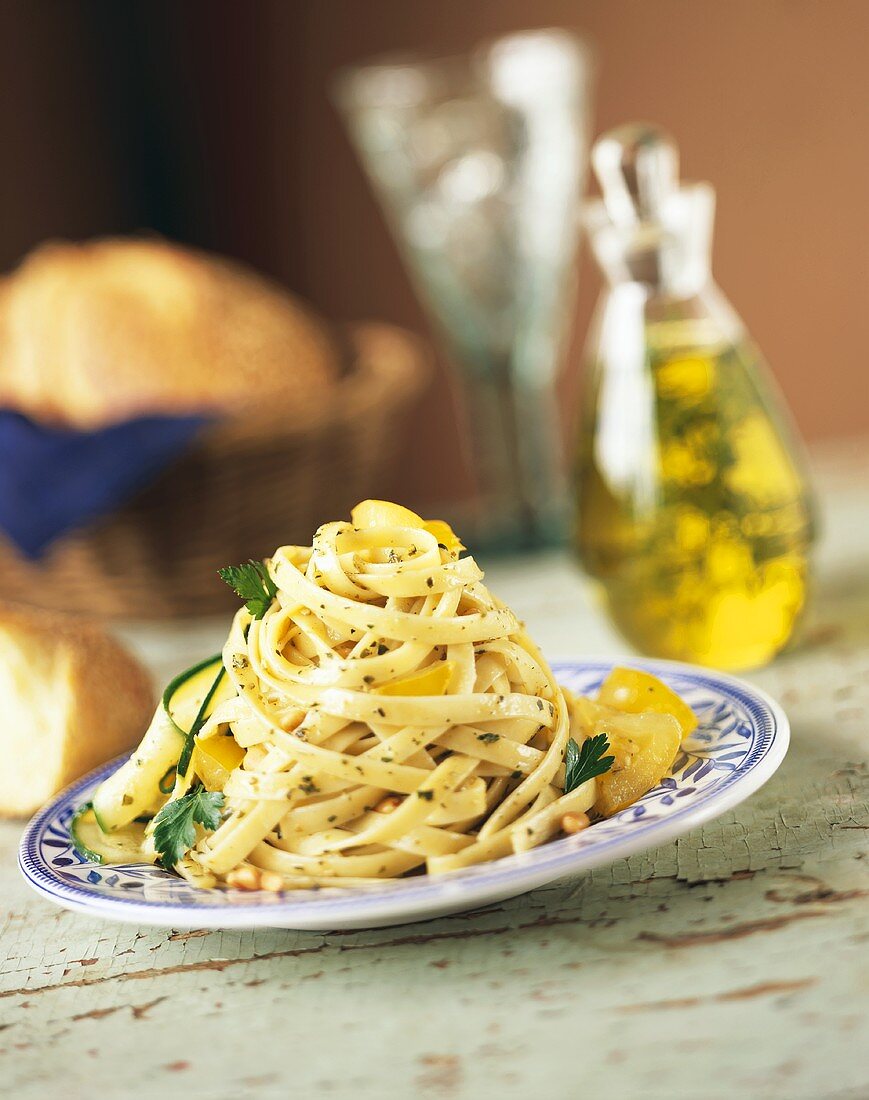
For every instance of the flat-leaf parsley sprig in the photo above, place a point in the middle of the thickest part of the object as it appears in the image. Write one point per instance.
(174, 831)
(582, 764)
(253, 583)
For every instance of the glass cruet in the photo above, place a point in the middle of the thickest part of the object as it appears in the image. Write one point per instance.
(693, 511)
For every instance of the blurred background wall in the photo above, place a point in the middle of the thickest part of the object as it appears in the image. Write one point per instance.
(211, 123)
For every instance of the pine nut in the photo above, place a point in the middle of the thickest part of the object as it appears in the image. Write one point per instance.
(575, 822)
(388, 805)
(244, 878)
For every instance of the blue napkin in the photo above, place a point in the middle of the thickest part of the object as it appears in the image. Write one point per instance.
(53, 480)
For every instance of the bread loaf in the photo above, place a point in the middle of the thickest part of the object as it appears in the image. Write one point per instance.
(96, 333)
(71, 697)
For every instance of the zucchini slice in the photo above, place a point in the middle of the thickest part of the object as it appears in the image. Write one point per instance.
(185, 694)
(135, 786)
(94, 845)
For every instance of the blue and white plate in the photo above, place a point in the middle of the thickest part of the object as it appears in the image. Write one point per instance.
(741, 740)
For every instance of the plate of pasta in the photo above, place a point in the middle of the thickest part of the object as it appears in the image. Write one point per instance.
(380, 741)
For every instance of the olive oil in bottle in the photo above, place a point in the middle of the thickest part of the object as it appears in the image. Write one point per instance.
(693, 511)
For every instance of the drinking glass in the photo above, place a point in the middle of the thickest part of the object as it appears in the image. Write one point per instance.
(479, 162)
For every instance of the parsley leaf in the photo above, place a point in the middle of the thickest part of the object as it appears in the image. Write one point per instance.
(582, 764)
(253, 583)
(174, 833)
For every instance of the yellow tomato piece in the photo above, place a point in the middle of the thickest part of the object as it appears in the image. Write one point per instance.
(433, 680)
(215, 758)
(644, 747)
(444, 534)
(382, 513)
(586, 712)
(634, 692)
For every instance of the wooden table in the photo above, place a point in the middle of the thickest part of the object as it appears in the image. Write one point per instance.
(732, 963)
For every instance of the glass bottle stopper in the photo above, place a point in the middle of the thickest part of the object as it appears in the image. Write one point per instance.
(637, 166)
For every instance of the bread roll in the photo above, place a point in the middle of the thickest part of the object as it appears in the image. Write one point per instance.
(96, 333)
(71, 697)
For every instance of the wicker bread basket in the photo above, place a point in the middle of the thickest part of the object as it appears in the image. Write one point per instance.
(246, 486)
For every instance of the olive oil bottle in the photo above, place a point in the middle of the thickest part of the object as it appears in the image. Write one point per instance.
(693, 509)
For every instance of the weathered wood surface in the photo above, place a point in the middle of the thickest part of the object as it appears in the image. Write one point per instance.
(731, 963)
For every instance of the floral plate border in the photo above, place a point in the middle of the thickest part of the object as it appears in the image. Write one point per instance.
(741, 740)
